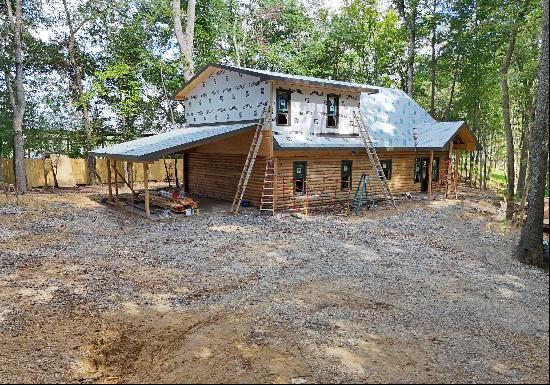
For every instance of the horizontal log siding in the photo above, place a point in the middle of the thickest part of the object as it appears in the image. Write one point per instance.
(217, 175)
(327, 169)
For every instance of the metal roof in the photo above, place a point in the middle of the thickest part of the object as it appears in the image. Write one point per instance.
(156, 146)
(271, 75)
(437, 134)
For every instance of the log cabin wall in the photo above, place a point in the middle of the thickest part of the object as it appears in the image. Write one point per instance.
(323, 173)
(214, 169)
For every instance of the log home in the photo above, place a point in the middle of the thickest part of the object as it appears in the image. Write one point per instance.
(310, 136)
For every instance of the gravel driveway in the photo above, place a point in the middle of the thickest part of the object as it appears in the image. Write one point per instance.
(430, 293)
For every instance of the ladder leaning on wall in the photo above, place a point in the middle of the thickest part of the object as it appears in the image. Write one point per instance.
(373, 157)
(250, 160)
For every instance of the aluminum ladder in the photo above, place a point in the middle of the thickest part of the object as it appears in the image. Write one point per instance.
(250, 160)
(267, 203)
(373, 156)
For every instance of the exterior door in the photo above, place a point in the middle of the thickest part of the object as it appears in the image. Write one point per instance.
(300, 176)
(421, 172)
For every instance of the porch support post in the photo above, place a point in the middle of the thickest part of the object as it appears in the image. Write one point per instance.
(146, 186)
(109, 180)
(457, 159)
(430, 173)
(116, 182)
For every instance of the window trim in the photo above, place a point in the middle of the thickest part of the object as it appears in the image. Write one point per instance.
(337, 104)
(390, 168)
(350, 181)
(288, 114)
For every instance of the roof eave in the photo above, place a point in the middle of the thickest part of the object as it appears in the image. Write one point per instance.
(478, 146)
(264, 77)
(155, 155)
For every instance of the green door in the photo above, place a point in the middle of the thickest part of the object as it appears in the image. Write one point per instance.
(345, 173)
(300, 176)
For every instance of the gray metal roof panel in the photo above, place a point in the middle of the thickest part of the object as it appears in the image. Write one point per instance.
(272, 75)
(155, 146)
(437, 134)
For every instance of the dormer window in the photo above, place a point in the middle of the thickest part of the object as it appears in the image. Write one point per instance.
(283, 107)
(332, 111)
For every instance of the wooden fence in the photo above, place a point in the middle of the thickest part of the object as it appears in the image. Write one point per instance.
(39, 171)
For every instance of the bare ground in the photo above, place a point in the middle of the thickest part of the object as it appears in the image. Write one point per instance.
(428, 294)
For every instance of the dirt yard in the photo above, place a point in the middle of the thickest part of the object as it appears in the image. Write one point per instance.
(429, 293)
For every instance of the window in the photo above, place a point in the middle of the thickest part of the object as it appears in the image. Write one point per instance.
(419, 170)
(283, 107)
(332, 111)
(386, 166)
(346, 175)
(300, 176)
(435, 169)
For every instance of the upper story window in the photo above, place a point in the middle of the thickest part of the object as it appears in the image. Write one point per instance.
(332, 110)
(283, 107)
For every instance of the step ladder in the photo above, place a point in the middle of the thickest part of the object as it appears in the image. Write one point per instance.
(250, 160)
(373, 156)
(363, 194)
(450, 177)
(267, 203)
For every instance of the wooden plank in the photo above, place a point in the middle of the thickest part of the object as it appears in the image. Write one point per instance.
(430, 165)
(146, 187)
(116, 180)
(109, 180)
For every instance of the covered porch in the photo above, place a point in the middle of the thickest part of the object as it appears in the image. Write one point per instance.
(138, 156)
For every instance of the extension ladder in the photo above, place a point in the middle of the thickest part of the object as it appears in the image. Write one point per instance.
(362, 195)
(249, 164)
(373, 156)
(450, 177)
(267, 203)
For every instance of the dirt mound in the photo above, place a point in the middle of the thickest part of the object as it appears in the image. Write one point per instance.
(184, 347)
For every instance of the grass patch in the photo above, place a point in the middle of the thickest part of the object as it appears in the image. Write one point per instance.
(497, 182)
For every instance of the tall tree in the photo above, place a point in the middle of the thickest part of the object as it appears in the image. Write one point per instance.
(504, 69)
(17, 93)
(76, 74)
(185, 40)
(530, 244)
(409, 13)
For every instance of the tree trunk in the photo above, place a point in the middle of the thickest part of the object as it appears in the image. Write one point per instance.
(450, 104)
(485, 168)
(410, 61)
(410, 21)
(471, 169)
(1, 163)
(185, 40)
(530, 245)
(523, 156)
(17, 97)
(433, 62)
(510, 166)
(77, 94)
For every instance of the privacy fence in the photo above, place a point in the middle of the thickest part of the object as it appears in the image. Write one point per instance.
(40, 171)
